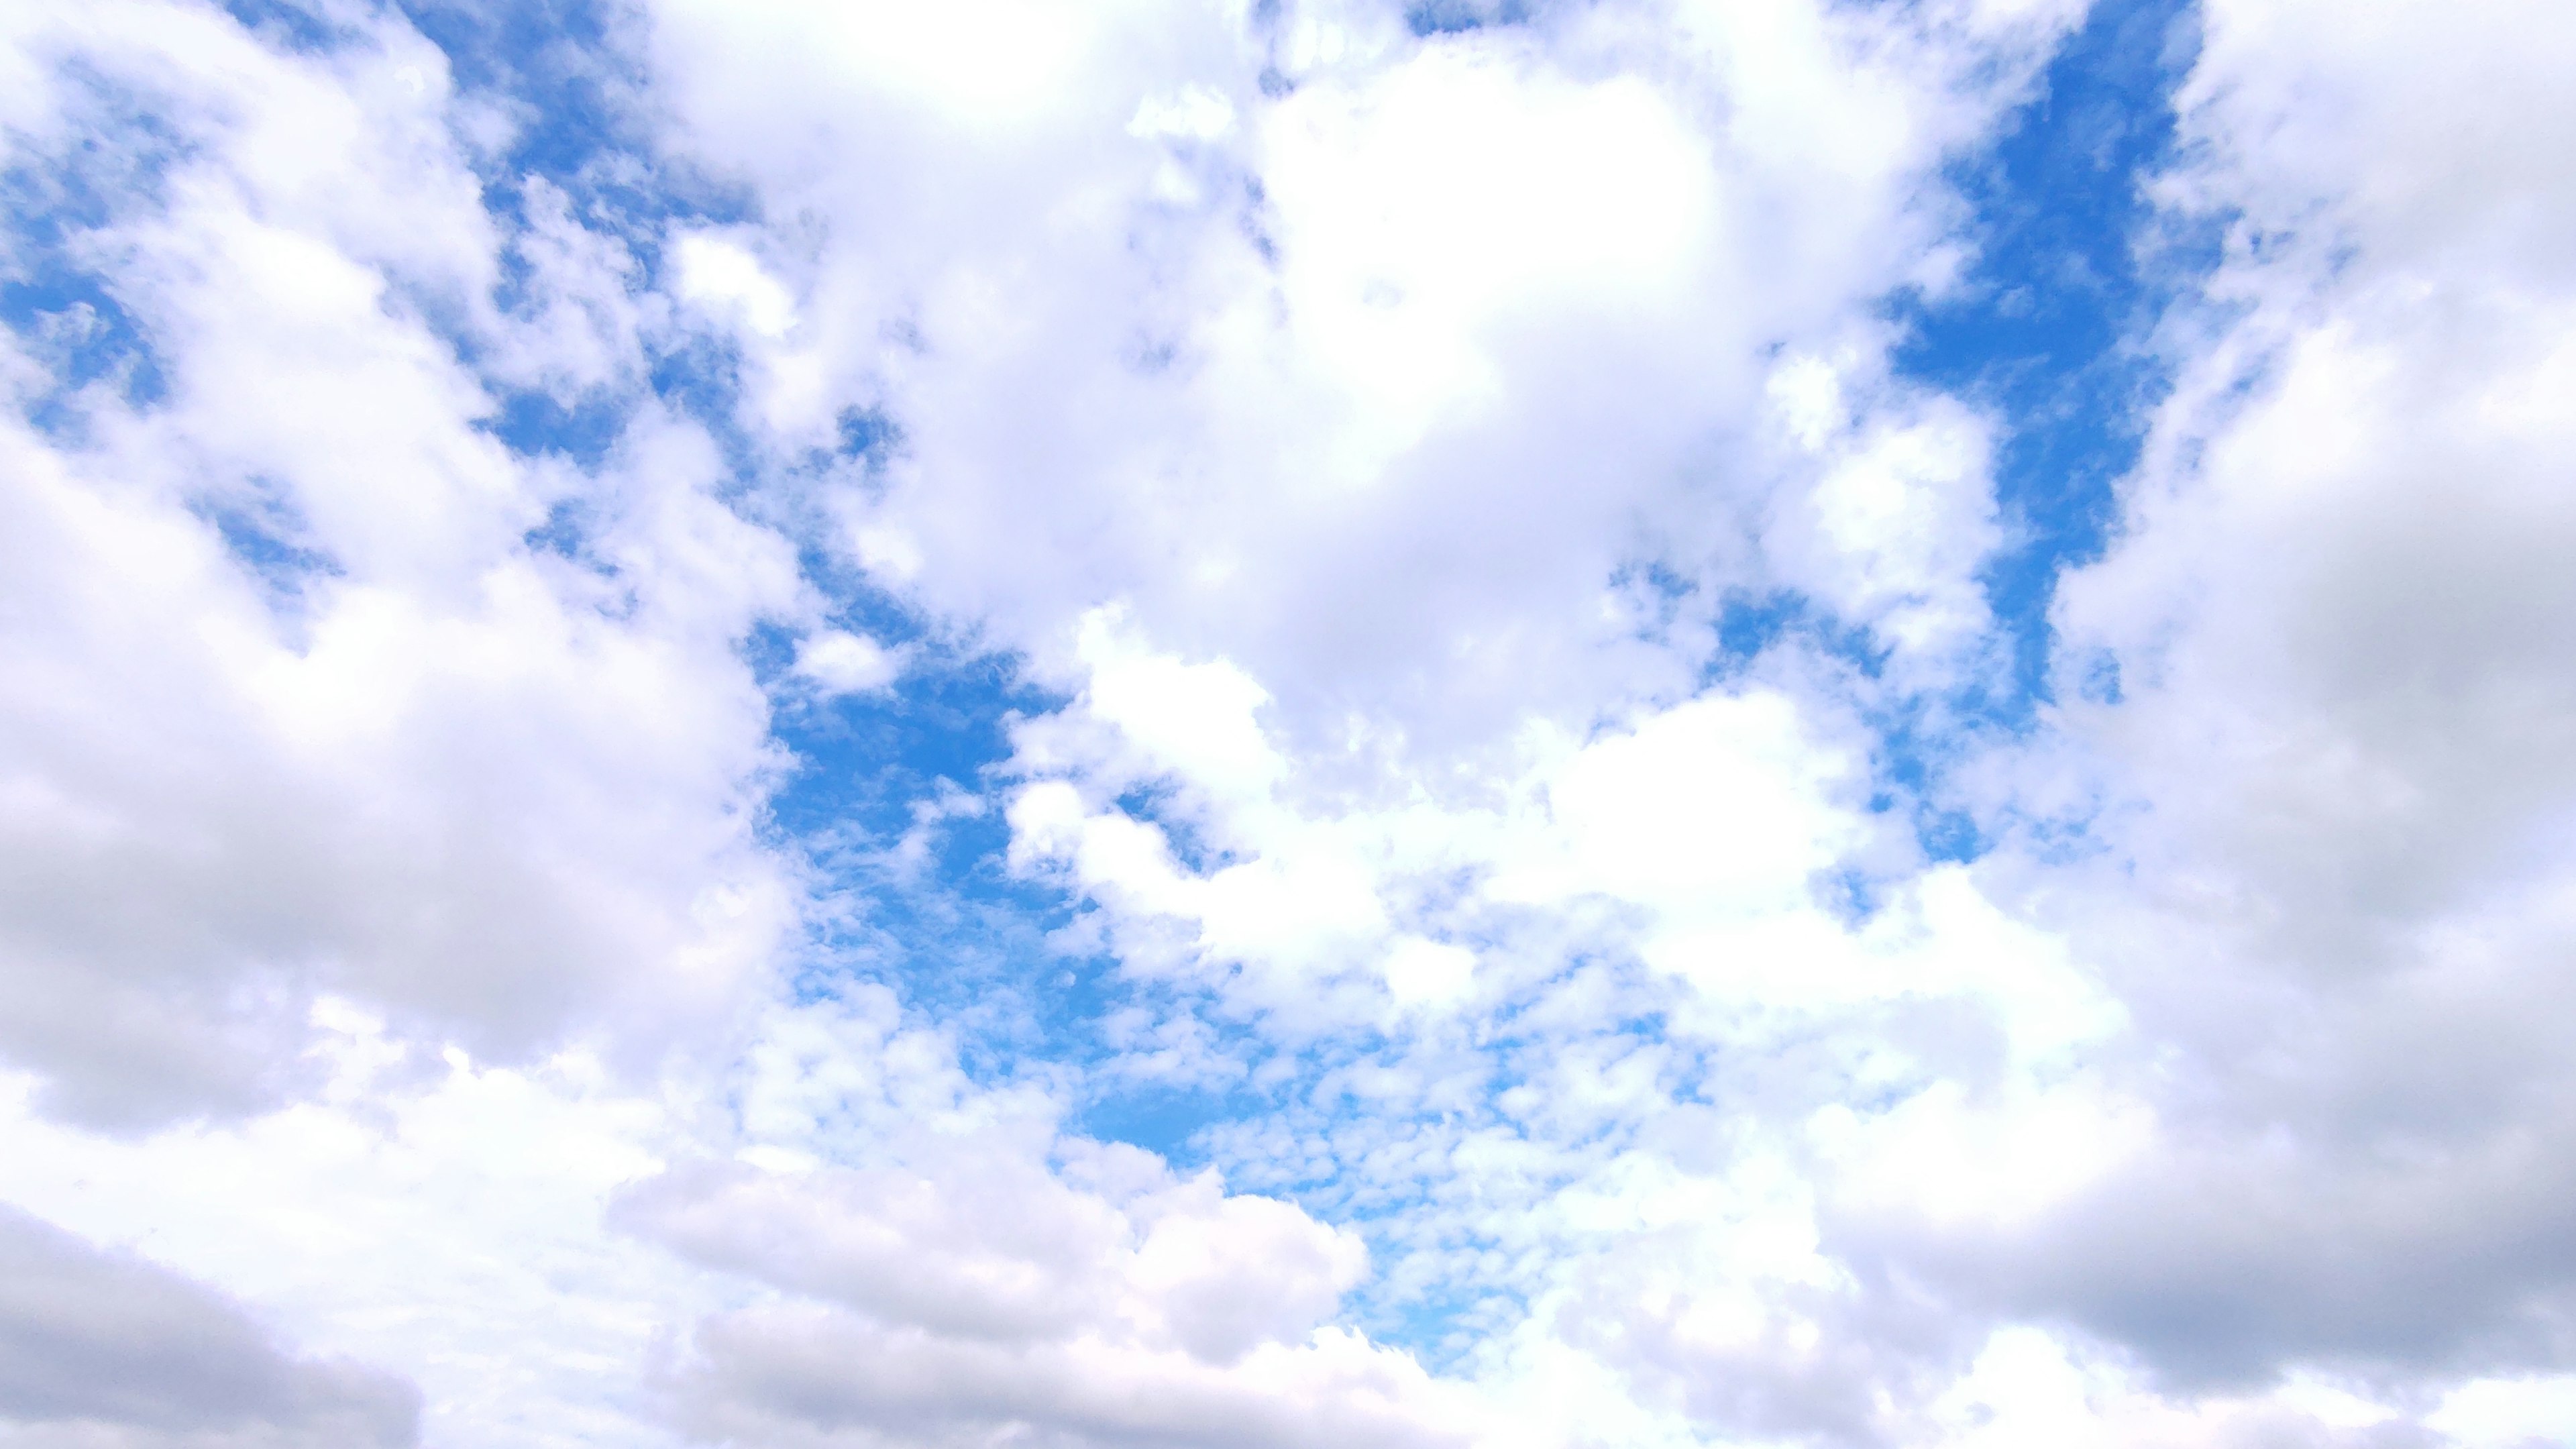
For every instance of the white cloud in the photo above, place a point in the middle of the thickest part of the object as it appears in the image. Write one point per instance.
(718, 274)
(840, 662)
(293, 708)
(2508, 1411)
(1894, 530)
(1362, 431)
(2329, 796)
(1419, 971)
(441, 1219)
(1194, 113)
(1002, 1251)
(1444, 334)
(975, 1272)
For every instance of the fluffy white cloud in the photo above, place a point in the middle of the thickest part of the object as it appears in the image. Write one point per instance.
(974, 1273)
(290, 704)
(1370, 381)
(2325, 672)
(840, 662)
(1003, 1251)
(995, 1293)
(1357, 429)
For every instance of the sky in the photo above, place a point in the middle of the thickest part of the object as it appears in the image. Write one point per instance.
(1483, 724)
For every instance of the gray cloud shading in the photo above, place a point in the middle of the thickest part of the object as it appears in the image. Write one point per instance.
(980, 1297)
(102, 1350)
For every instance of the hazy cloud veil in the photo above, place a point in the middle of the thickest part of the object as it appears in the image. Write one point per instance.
(1287, 723)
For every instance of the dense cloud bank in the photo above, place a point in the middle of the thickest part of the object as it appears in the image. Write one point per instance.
(1287, 724)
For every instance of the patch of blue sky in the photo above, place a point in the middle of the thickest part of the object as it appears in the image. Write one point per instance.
(560, 71)
(55, 292)
(1915, 749)
(1169, 1119)
(2049, 328)
(891, 793)
(121, 159)
(269, 537)
(2044, 332)
(538, 59)
(868, 764)
(895, 797)
(58, 295)
(1428, 18)
(1445, 1293)
(584, 428)
(1459, 1335)
(1749, 623)
(1309, 1086)
(569, 83)
(560, 59)
(1916, 736)
(288, 25)
(1158, 804)
(72, 326)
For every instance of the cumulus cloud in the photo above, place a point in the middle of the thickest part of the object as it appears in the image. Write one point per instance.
(840, 662)
(1005, 1252)
(2325, 664)
(647, 682)
(981, 1275)
(295, 703)
(1373, 386)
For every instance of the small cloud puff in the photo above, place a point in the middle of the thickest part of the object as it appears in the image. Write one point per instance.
(729, 282)
(838, 662)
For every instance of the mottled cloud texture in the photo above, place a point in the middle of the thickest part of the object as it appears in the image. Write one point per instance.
(1289, 723)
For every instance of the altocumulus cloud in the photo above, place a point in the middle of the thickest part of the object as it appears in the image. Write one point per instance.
(1288, 723)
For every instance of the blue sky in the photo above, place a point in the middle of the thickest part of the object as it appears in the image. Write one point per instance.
(2049, 329)
(1305, 723)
